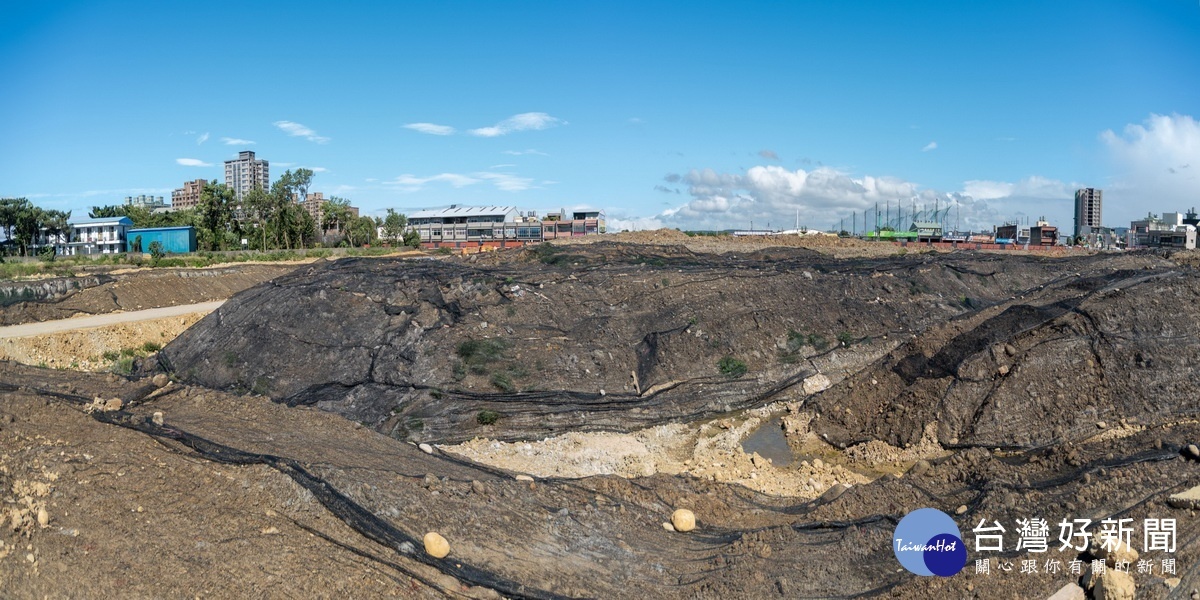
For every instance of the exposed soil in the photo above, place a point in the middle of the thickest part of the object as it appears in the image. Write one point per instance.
(84, 350)
(990, 386)
(141, 288)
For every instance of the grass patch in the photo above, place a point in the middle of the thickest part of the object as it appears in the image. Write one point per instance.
(487, 417)
(503, 381)
(123, 366)
(151, 347)
(732, 367)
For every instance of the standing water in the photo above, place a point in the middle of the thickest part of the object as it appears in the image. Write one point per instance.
(769, 442)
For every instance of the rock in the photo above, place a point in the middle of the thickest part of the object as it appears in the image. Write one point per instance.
(1010, 350)
(1070, 591)
(436, 545)
(113, 404)
(816, 383)
(806, 275)
(43, 517)
(834, 492)
(1172, 582)
(524, 478)
(1189, 499)
(406, 547)
(271, 531)
(426, 448)
(1120, 552)
(683, 520)
(919, 468)
(1192, 452)
(1101, 425)
(1003, 370)
(160, 380)
(1110, 585)
(668, 526)
(157, 418)
(961, 510)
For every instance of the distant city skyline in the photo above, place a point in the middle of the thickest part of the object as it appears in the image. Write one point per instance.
(662, 114)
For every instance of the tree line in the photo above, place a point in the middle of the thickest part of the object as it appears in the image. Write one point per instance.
(266, 219)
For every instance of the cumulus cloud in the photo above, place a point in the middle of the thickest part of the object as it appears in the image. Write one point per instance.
(192, 162)
(930, 146)
(1155, 161)
(228, 141)
(430, 128)
(823, 197)
(298, 130)
(530, 121)
(769, 155)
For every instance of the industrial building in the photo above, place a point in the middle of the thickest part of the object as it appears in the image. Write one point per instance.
(174, 240)
(499, 226)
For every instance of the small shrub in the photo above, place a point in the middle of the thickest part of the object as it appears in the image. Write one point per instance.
(732, 367)
(111, 355)
(231, 359)
(123, 366)
(437, 394)
(487, 417)
(151, 347)
(416, 425)
(845, 339)
(502, 381)
(128, 351)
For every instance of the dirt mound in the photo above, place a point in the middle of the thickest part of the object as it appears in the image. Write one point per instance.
(134, 290)
(597, 337)
(1059, 364)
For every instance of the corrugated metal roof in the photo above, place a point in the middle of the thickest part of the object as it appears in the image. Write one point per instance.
(133, 231)
(464, 211)
(101, 221)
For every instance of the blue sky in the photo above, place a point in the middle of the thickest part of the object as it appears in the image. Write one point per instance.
(691, 115)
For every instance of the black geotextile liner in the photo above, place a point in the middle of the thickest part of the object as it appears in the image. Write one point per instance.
(601, 537)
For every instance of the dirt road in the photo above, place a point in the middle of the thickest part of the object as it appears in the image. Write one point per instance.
(48, 327)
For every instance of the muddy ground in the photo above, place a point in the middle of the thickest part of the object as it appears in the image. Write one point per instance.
(993, 387)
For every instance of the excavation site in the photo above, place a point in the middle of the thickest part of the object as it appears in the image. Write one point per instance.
(644, 416)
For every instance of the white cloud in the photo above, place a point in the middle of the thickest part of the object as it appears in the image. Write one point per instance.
(297, 130)
(192, 162)
(929, 146)
(502, 181)
(430, 128)
(236, 141)
(525, 152)
(531, 121)
(502, 166)
(316, 169)
(203, 138)
(1157, 167)
(771, 195)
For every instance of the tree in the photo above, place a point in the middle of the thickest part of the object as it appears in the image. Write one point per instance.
(9, 209)
(260, 208)
(393, 226)
(108, 212)
(361, 231)
(412, 238)
(216, 212)
(335, 214)
(300, 180)
(137, 243)
(156, 252)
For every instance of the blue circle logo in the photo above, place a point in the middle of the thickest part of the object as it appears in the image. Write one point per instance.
(927, 542)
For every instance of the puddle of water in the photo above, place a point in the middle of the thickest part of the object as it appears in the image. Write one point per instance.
(769, 442)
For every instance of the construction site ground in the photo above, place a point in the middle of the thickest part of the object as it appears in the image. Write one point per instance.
(547, 409)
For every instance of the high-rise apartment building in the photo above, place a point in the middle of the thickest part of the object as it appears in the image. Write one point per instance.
(1087, 209)
(187, 196)
(245, 173)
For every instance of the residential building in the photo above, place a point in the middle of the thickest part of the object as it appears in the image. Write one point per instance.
(246, 173)
(1043, 234)
(312, 205)
(1087, 209)
(93, 236)
(1140, 230)
(151, 203)
(1183, 236)
(174, 240)
(187, 196)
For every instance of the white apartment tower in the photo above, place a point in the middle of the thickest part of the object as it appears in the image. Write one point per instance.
(1087, 208)
(245, 173)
